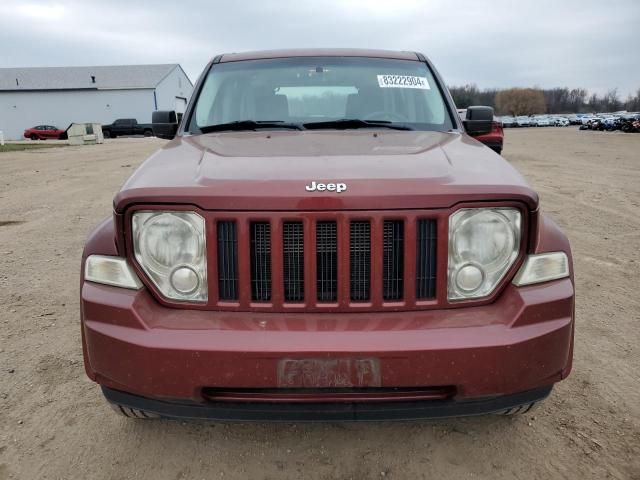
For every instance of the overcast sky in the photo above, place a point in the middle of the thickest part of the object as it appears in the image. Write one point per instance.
(545, 43)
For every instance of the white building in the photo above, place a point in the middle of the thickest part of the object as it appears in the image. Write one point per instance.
(62, 95)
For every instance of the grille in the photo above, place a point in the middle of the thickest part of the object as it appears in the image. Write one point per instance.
(293, 261)
(393, 260)
(426, 259)
(227, 261)
(327, 261)
(360, 260)
(261, 261)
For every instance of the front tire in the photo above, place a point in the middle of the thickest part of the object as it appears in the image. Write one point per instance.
(134, 413)
(148, 133)
(520, 409)
(33, 136)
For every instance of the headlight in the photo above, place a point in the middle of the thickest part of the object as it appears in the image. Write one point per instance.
(171, 248)
(483, 244)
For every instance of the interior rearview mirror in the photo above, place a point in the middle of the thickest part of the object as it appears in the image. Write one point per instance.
(164, 124)
(479, 120)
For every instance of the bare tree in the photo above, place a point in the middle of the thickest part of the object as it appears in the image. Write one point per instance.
(611, 101)
(554, 100)
(577, 99)
(520, 101)
(633, 102)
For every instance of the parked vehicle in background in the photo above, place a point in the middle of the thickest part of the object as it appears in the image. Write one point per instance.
(494, 139)
(540, 121)
(594, 123)
(626, 122)
(612, 123)
(523, 121)
(508, 121)
(630, 124)
(561, 122)
(44, 132)
(586, 119)
(127, 126)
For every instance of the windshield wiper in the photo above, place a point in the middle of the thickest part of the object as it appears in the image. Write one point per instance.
(349, 123)
(241, 125)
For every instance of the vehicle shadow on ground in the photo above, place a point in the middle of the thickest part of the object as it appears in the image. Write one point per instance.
(349, 450)
(274, 433)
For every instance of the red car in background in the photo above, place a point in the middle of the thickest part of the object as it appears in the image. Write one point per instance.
(44, 132)
(493, 139)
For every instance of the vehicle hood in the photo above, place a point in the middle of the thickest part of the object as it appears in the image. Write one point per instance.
(269, 170)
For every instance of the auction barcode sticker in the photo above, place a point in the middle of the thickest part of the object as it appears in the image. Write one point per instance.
(403, 81)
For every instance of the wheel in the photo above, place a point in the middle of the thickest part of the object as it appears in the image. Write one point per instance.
(520, 409)
(133, 412)
(33, 136)
(148, 133)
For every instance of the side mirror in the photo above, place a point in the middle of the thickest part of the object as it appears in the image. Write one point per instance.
(164, 124)
(479, 120)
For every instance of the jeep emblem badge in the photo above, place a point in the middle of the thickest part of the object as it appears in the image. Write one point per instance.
(329, 187)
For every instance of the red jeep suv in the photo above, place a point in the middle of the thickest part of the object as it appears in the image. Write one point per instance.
(322, 240)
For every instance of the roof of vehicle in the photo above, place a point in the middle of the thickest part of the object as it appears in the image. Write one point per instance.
(318, 52)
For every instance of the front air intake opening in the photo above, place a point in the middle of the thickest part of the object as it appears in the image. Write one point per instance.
(260, 261)
(293, 261)
(329, 395)
(360, 260)
(327, 261)
(227, 260)
(393, 260)
(426, 259)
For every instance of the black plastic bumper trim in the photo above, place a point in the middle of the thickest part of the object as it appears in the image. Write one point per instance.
(324, 412)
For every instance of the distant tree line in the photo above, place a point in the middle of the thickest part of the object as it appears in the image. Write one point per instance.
(530, 101)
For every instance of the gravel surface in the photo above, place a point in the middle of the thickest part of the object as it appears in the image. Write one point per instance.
(54, 423)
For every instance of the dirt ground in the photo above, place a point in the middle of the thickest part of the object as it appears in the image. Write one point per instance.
(54, 423)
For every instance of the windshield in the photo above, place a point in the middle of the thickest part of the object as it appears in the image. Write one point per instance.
(319, 92)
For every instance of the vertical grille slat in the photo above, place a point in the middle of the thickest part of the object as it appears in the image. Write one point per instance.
(360, 260)
(261, 261)
(426, 259)
(393, 260)
(227, 260)
(293, 266)
(327, 261)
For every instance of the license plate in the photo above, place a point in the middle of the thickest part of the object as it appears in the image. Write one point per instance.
(328, 373)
